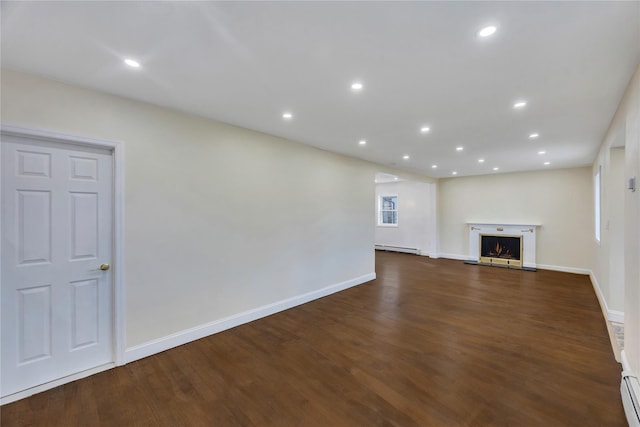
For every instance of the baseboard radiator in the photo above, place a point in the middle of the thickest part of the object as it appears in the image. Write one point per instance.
(398, 249)
(630, 392)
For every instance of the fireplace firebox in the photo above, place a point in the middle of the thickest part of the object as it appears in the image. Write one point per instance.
(501, 250)
(527, 245)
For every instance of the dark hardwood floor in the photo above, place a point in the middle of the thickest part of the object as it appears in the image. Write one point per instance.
(429, 343)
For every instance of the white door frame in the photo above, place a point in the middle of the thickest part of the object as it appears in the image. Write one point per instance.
(118, 312)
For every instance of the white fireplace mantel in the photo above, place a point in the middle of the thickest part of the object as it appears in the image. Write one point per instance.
(527, 231)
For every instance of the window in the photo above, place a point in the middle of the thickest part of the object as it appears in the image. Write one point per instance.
(388, 207)
(596, 198)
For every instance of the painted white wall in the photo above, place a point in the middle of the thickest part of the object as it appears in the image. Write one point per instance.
(206, 237)
(560, 200)
(608, 267)
(416, 216)
(218, 219)
(614, 228)
(631, 108)
(626, 124)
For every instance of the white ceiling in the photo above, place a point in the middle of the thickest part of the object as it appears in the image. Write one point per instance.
(421, 63)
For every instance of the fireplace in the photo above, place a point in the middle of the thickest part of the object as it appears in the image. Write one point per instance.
(518, 250)
(501, 250)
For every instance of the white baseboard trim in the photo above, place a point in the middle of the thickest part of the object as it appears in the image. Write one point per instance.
(599, 295)
(452, 256)
(428, 254)
(402, 249)
(48, 386)
(615, 316)
(564, 269)
(174, 340)
(540, 266)
(607, 315)
(611, 315)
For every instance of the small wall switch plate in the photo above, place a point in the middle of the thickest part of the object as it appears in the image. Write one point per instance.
(632, 184)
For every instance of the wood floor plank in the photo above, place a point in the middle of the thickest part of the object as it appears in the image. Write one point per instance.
(430, 342)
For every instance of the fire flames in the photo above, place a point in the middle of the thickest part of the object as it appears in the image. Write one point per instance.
(500, 251)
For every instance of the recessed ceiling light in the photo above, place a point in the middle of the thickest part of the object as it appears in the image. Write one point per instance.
(519, 104)
(132, 63)
(542, 152)
(406, 157)
(547, 163)
(287, 116)
(454, 173)
(424, 129)
(459, 148)
(487, 31)
(395, 178)
(363, 142)
(496, 168)
(434, 166)
(357, 86)
(480, 160)
(534, 136)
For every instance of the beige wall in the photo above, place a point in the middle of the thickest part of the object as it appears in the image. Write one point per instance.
(626, 126)
(613, 228)
(206, 236)
(218, 219)
(560, 200)
(416, 227)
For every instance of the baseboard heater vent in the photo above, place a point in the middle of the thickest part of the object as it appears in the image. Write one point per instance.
(398, 249)
(630, 392)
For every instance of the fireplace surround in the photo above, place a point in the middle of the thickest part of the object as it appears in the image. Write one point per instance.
(506, 245)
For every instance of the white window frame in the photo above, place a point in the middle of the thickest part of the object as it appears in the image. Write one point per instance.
(380, 210)
(597, 203)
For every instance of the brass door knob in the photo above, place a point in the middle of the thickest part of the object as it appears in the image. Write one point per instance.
(104, 267)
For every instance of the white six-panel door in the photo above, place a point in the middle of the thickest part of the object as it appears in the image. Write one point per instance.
(56, 302)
